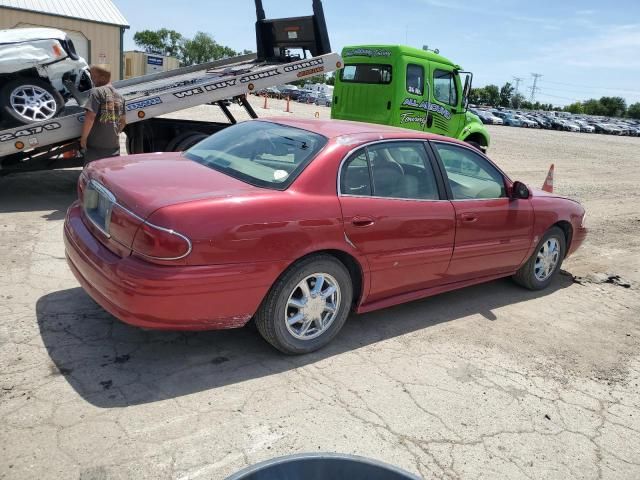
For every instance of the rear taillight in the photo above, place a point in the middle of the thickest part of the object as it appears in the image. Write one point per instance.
(123, 225)
(160, 243)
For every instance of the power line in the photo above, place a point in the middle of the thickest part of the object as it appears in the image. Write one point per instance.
(517, 80)
(592, 87)
(535, 76)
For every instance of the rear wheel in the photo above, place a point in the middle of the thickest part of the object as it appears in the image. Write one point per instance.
(27, 100)
(545, 262)
(307, 306)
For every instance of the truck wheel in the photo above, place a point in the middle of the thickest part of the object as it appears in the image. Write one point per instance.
(545, 261)
(28, 100)
(306, 308)
(476, 145)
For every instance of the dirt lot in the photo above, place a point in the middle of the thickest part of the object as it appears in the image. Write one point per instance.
(490, 382)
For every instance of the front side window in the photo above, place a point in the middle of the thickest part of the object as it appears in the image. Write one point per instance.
(391, 169)
(366, 73)
(261, 153)
(470, 175)
(444, 87)
(415, 79)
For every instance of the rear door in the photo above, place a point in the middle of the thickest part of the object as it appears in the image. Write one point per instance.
(364, 91)
(493, 232)
(395, 214)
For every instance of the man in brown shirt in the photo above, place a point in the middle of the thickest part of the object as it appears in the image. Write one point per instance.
(104, 118)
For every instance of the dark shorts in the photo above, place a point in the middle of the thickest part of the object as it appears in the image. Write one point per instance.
(92, 154)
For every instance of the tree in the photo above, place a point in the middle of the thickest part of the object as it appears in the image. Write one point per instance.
(614, 106)
(203, 48)
(492, 95)
(593, 107)
(505, 94)
(163, 41)
(634, 111)
(576, 107)
(516, 100)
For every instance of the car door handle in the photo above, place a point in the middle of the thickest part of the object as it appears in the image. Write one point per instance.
(469, 218)
(362, 221)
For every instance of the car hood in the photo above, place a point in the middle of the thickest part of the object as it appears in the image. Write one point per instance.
(17, 35)
(144, 183)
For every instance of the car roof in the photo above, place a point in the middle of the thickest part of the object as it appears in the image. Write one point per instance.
(368, 131)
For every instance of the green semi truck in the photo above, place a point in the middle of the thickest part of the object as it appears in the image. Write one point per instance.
(406, 87)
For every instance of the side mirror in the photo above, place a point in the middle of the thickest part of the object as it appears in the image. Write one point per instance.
(520, 190)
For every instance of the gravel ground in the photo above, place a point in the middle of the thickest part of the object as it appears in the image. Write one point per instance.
(490, 382)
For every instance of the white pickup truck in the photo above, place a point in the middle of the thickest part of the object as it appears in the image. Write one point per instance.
(34, 65)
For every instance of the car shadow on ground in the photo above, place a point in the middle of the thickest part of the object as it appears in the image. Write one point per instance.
(50, 191)
(111, 364)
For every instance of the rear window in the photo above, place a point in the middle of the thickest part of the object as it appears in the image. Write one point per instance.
(366, 73)
(261, 153)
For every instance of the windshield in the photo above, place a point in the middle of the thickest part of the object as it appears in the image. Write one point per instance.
(261, 153)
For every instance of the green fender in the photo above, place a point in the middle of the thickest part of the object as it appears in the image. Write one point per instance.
(474, 131)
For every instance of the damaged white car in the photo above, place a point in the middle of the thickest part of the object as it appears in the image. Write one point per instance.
(35, 63)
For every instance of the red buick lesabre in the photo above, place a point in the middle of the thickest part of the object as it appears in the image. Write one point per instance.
(296, 223)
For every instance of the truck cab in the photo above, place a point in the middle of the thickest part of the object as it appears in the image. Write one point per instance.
(409, 88)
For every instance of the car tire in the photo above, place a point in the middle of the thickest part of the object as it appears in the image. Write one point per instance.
(51, 102)
(545, 261)
(287, 300)
(475, 145)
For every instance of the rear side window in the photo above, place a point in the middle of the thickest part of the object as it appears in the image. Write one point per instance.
(444, 87)
(366, 73)
(355, 178)
(396, 170)
(415, 79)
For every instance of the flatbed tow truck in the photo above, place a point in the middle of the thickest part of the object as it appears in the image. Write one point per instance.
(41, 145)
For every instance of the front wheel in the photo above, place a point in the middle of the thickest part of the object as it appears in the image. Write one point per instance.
(545, 262)
(28, 100)
(307, 306)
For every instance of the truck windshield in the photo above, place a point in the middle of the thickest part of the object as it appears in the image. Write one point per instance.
(260, 153)
(366, 73)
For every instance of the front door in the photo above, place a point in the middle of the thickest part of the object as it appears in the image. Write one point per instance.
(395, 215)
(447, 115)
(493, 232)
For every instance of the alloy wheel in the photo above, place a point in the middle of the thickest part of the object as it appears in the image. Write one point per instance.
(547, 259)
(33, 103)
(312, 306)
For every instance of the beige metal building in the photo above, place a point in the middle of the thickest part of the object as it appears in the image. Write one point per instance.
(95, 26)
(142, 63)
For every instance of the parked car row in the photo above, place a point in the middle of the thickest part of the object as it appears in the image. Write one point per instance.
(293, 92)
(557, 121)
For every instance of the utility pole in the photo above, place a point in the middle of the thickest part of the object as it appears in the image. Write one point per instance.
(517, 80)
(535, 76)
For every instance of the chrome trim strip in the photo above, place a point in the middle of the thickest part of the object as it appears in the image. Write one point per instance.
(101, 188)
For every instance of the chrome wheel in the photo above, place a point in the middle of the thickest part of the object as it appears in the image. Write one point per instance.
(33, 103)
(312, 306)
(547, 259)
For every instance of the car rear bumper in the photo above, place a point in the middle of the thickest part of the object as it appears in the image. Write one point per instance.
(165, 297)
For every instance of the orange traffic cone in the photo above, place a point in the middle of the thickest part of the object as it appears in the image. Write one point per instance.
(548, 183)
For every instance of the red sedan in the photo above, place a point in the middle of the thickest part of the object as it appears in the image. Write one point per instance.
(296, 223)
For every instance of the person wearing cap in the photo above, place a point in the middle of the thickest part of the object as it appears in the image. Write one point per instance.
(104, 118)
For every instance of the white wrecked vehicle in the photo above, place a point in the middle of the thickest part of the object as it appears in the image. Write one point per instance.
(34, 65)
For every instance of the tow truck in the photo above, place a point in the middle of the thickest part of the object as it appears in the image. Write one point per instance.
(288, 49)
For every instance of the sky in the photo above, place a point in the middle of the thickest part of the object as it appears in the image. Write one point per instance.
(583, 49)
